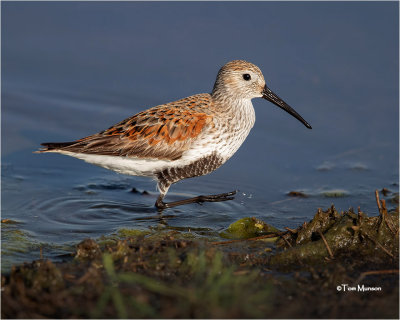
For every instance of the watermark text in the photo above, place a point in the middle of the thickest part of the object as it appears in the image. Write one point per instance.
(344, 287)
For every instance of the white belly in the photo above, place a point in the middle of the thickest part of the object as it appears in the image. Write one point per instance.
(142, 167)
(125, 165)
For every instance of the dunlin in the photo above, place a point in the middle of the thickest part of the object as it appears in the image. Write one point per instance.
(182, 139)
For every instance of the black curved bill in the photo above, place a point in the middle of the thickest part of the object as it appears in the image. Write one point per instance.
(267, 94)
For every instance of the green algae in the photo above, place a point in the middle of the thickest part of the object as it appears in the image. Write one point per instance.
(125, 232)
(122, 233)
(247, 228)
(15, 241)
(335, 193)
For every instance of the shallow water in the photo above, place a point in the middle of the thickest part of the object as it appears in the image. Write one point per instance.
(73, 69)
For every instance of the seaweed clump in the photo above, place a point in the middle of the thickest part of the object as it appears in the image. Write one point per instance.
(331, 235)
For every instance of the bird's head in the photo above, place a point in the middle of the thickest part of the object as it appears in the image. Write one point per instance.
(239, 79)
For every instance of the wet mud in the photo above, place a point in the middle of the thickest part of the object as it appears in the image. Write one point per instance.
(337, 265)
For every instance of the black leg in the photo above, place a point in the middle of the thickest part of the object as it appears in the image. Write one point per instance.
(160, 204)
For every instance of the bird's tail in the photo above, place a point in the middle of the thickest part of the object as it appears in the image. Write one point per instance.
(53, 146)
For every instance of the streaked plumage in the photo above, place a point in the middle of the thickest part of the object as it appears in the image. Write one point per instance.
(181, 139)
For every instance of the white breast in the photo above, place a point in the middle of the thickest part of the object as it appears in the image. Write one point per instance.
(235, 128)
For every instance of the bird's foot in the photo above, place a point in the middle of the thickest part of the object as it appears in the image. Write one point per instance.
(199, 199)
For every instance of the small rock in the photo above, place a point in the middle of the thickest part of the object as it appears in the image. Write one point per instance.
(297, 194)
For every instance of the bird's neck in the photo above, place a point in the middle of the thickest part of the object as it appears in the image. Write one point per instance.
(239, 110)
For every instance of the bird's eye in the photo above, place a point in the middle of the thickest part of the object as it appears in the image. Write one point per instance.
(246, 77)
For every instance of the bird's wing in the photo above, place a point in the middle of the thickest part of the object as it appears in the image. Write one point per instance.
(162, 132)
